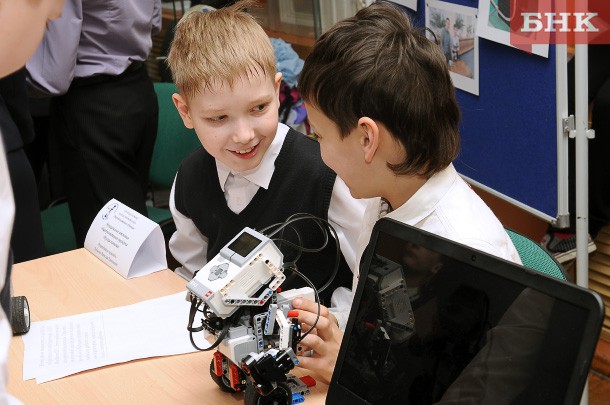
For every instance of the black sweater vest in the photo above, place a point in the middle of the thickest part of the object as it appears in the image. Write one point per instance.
(301, 183)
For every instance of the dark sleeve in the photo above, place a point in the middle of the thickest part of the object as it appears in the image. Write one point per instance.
(15, 118)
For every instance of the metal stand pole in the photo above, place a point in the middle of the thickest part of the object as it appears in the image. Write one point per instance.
(564, 125)
(582, 175)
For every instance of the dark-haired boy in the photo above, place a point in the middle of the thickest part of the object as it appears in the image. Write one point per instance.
(381, 102)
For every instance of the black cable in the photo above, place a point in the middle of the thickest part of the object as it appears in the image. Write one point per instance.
(195, 304)
(300, 247)
(333, 274)
(292, 267)
(293, 218)
(324, 227)
(296, 246)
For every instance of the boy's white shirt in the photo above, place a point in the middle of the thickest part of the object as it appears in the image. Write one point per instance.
(189, 246)
(445, 205)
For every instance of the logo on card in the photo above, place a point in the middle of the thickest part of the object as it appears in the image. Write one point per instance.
(109, 210)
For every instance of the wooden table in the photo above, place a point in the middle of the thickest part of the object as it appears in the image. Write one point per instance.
(76, 282)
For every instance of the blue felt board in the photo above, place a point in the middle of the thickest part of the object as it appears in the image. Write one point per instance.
(509, 140)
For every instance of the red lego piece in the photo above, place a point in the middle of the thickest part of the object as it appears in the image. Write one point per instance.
(235, 379)
(308, 380)
(218, 364)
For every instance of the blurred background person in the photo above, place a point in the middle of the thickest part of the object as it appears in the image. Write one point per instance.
(103, 115)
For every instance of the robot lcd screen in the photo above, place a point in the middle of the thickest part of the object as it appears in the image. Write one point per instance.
(245, 244)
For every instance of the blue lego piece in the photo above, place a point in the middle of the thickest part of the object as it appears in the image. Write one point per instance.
(297, 399)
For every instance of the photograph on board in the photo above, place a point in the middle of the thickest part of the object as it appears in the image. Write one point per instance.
(494, 24)
(412, 4)
(455, 29)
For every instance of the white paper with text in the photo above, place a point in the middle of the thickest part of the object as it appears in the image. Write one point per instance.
(63, 346)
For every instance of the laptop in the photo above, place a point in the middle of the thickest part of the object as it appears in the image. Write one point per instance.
(436, 322)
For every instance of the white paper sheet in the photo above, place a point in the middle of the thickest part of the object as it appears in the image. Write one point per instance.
(60, 347)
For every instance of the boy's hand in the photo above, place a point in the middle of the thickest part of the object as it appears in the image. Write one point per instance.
(324, 340)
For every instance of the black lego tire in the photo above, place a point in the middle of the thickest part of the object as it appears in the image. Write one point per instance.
(282, 395)
(20, 315)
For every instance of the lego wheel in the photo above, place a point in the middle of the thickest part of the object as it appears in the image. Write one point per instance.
(281, 395)
(222, 381)
(20, 315)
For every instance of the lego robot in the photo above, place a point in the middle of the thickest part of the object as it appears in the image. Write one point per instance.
(249, 321)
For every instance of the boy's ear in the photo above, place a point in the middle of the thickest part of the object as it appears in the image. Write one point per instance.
(368, 131)
(183, 110)
(276, 83)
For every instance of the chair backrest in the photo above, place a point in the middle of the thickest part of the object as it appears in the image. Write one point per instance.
(534, 256)
(174, 141)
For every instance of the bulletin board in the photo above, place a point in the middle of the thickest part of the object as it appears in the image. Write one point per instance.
(509, 130)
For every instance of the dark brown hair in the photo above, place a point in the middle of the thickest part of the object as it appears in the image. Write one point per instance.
(377, 65)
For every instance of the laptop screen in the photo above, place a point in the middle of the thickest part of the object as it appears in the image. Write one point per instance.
(437, 322)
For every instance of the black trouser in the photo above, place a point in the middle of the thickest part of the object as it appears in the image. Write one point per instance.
(105, 127)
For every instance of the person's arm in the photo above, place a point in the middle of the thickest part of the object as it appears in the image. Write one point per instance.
(341, 303)
(187, 245)
(346, 215)
(6, 334)
(7, 215)
(51, 69)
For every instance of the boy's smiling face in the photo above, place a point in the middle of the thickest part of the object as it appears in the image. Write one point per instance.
(235, 125)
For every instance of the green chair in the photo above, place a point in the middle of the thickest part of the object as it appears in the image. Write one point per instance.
(534, 256)
(174, 142)
(57, 230)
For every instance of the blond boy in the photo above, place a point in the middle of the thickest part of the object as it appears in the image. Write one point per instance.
(252, 170)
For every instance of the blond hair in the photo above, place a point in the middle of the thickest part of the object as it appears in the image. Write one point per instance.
(212, 48)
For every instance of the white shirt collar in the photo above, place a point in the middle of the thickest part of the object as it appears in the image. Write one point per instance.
(419, 206)
(424, 201)
(261, 175)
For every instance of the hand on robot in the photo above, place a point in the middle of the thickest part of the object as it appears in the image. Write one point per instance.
(324, 341)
